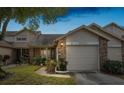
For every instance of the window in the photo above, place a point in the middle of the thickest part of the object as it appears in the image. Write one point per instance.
(21, 38)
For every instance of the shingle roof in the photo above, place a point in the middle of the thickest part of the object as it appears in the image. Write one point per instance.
(114, 24)
(4, 43)
(79, 28)
(10, 33)
(100, 28)
(45, 40)
(13, 33)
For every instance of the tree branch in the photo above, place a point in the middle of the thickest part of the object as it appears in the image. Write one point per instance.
(5, 26)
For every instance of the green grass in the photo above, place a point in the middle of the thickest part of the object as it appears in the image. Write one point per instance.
(25, 75)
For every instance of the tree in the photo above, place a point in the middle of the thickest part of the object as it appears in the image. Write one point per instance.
(28, 16)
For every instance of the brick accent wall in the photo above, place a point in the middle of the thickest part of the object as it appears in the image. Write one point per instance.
(62, 49)
(122, 49)
(102, 51)
(34, 52)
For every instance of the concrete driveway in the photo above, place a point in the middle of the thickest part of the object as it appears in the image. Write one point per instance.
(97, 79)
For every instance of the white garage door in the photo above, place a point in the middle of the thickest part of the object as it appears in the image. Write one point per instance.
(82, 58)
(114, 53)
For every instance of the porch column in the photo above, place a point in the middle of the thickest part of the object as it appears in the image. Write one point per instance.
(30, 54)
(46, 52)
(21, 52)
(102, 51)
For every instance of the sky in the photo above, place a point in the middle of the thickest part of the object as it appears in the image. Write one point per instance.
(76, 17)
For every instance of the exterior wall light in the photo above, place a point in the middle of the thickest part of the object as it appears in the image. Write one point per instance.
(61, 44)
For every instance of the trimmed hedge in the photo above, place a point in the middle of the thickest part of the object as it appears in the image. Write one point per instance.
(62, 65)
(39, 60)
(113, 67)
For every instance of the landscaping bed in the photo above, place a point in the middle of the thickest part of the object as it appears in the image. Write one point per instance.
(25, 75)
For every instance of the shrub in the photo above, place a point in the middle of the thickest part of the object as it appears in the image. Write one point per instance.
(22, 60)
(44, 61)
(61, 65)
(2, 75)
(2, 72)
(51, 64)
(5, 58)
(39, 60)
(1, 59)
(113, 67)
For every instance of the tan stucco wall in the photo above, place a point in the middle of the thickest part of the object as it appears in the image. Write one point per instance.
(112, 40)
(30, 36)
(7, 51)
(23, 44)
(20, 45)
(114, 46)
(83, 37)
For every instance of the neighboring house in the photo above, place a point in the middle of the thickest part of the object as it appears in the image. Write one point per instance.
(29, 44)
(114, 28)
(114, 44)
(84, 48)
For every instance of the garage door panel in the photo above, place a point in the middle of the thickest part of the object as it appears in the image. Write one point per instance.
(81, 60)
(82, 68)
(82, 57)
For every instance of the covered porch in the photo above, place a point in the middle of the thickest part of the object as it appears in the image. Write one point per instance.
(47, 52)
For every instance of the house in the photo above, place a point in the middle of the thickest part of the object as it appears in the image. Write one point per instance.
(85, 48)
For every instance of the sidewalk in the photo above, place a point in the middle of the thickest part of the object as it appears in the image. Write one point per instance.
(42, 72)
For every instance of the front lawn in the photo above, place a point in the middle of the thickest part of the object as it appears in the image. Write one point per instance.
(25, 75)
(120, 76)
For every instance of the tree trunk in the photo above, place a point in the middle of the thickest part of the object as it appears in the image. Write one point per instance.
(2, 35)
(5, 26)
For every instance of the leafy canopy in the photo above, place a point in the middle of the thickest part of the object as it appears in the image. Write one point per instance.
(31, 16)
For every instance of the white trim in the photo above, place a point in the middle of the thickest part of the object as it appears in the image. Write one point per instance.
(111, 46)
(22, 36)
(78, 43)
(57, 58)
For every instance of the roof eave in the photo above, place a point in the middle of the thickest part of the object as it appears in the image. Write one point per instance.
(96, 25)
(81, 27)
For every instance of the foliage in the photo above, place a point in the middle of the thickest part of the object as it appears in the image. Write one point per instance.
(61, 65)
(51, 64)
(2, 73)
(25, 75)
(22, 60)
(113, 67)
(30, 17)
(5, 58)
(1, 59)
(39, 60)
